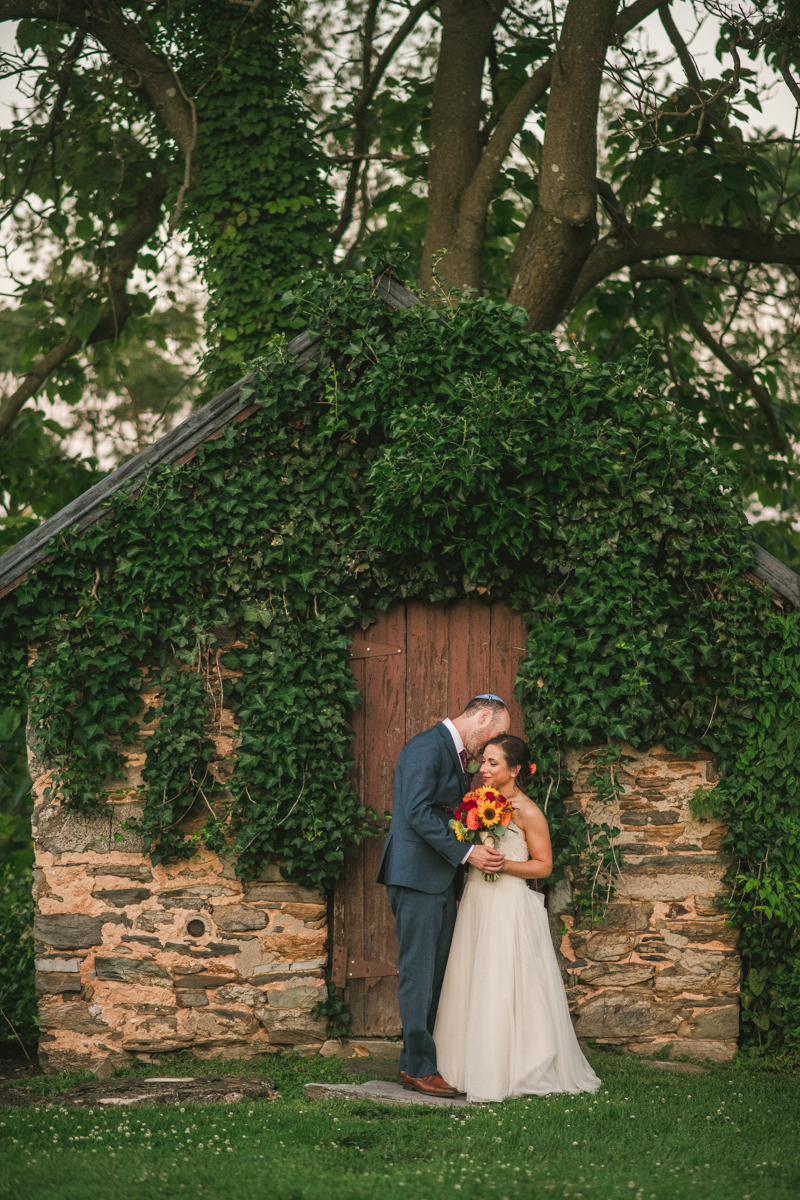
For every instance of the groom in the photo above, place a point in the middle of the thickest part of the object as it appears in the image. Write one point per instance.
(420, 870)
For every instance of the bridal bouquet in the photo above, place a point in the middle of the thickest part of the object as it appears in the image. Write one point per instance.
(482, 816)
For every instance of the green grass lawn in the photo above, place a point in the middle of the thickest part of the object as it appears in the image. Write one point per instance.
(729, 1134)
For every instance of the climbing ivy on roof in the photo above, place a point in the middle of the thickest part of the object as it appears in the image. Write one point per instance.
(434, 454)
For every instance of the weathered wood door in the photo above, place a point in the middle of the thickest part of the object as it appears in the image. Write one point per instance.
(418, 663)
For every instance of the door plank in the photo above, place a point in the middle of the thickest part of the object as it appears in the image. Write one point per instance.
(469, 652)
(428, 665)
(384, 697)
(508, 647)
(348, 920)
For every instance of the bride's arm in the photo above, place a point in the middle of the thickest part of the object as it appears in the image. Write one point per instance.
(532, 822)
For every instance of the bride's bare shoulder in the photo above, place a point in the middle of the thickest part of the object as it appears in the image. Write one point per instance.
(528, 813)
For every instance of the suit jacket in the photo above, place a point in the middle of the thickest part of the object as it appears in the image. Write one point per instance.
(421, 851)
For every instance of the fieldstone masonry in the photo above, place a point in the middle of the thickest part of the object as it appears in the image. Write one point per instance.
(662, 967)
(135, 960)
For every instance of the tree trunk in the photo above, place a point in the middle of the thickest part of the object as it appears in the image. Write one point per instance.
(562, 229)
(455, 141)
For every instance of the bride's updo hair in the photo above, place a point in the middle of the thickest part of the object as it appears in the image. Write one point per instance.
(516, 753)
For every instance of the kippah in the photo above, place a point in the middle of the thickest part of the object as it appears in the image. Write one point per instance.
(490, 696)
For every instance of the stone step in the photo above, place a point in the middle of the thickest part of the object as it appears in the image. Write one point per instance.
(381, 1091)
(381, 1048)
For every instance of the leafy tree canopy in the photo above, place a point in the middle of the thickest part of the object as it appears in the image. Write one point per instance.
(576, 156)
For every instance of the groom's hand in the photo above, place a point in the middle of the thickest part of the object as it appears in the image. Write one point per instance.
(486, 860)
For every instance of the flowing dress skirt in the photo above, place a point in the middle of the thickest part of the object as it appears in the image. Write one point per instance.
(503, 1026)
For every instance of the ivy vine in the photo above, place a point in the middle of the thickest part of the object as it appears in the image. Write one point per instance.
(438, 455)
(260, 207)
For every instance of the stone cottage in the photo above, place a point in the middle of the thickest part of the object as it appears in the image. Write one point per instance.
(137, 959)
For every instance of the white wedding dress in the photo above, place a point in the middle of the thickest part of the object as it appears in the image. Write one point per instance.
(503, 1026)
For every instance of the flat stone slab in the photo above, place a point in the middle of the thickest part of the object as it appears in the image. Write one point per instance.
(380, 1048)
(686, 1068)
(140, 1093)
(379, 1090)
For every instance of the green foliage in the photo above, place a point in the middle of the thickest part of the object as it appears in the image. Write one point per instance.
(430, 456)
(78, 150)
(16, 850)
(258, 211)
(17, 992)
(36, 478)
(176, 764)
(335, 1009)
(78, 154)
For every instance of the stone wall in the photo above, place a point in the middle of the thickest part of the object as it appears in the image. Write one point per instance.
(662, 967)
(134, 960)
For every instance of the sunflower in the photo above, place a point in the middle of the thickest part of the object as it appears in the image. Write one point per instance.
(459, 830)
(489, 812)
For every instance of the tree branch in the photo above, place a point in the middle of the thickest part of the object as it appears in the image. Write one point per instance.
(455, 137)
(561, 230)
(142, 67)
(478, 195)
(370, 78)
(741, 371)
(681, 49)
(614, 252)
(786, 72)
(11, 405)
(115, 313)
(389, 51)
(57, 111)
(690, 70)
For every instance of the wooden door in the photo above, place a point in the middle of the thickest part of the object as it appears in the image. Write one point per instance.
(418, 663)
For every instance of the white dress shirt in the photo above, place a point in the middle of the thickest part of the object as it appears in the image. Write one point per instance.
(459, 745)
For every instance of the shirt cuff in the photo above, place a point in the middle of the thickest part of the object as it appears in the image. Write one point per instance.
(466, 856)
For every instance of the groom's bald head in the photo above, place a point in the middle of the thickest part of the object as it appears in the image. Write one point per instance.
(490, 703)
(483, 718)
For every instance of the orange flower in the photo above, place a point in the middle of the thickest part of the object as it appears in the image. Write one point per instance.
(473, 820)
(505, 817)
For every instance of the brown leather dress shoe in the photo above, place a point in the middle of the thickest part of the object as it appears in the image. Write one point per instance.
(429, 1085)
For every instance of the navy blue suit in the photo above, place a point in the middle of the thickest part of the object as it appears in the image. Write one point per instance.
(420, 868)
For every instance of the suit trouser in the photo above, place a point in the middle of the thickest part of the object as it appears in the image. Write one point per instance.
(424, 924)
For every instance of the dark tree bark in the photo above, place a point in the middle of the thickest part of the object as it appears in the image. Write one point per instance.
(562, 229)
(463, 173)
(455, 135)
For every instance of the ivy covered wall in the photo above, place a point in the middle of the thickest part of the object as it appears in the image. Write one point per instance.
(434, 455)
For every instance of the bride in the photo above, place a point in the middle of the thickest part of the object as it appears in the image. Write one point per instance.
(503, 1026)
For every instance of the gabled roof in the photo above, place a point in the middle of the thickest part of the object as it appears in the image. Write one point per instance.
(174, 447)
(181, 443)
